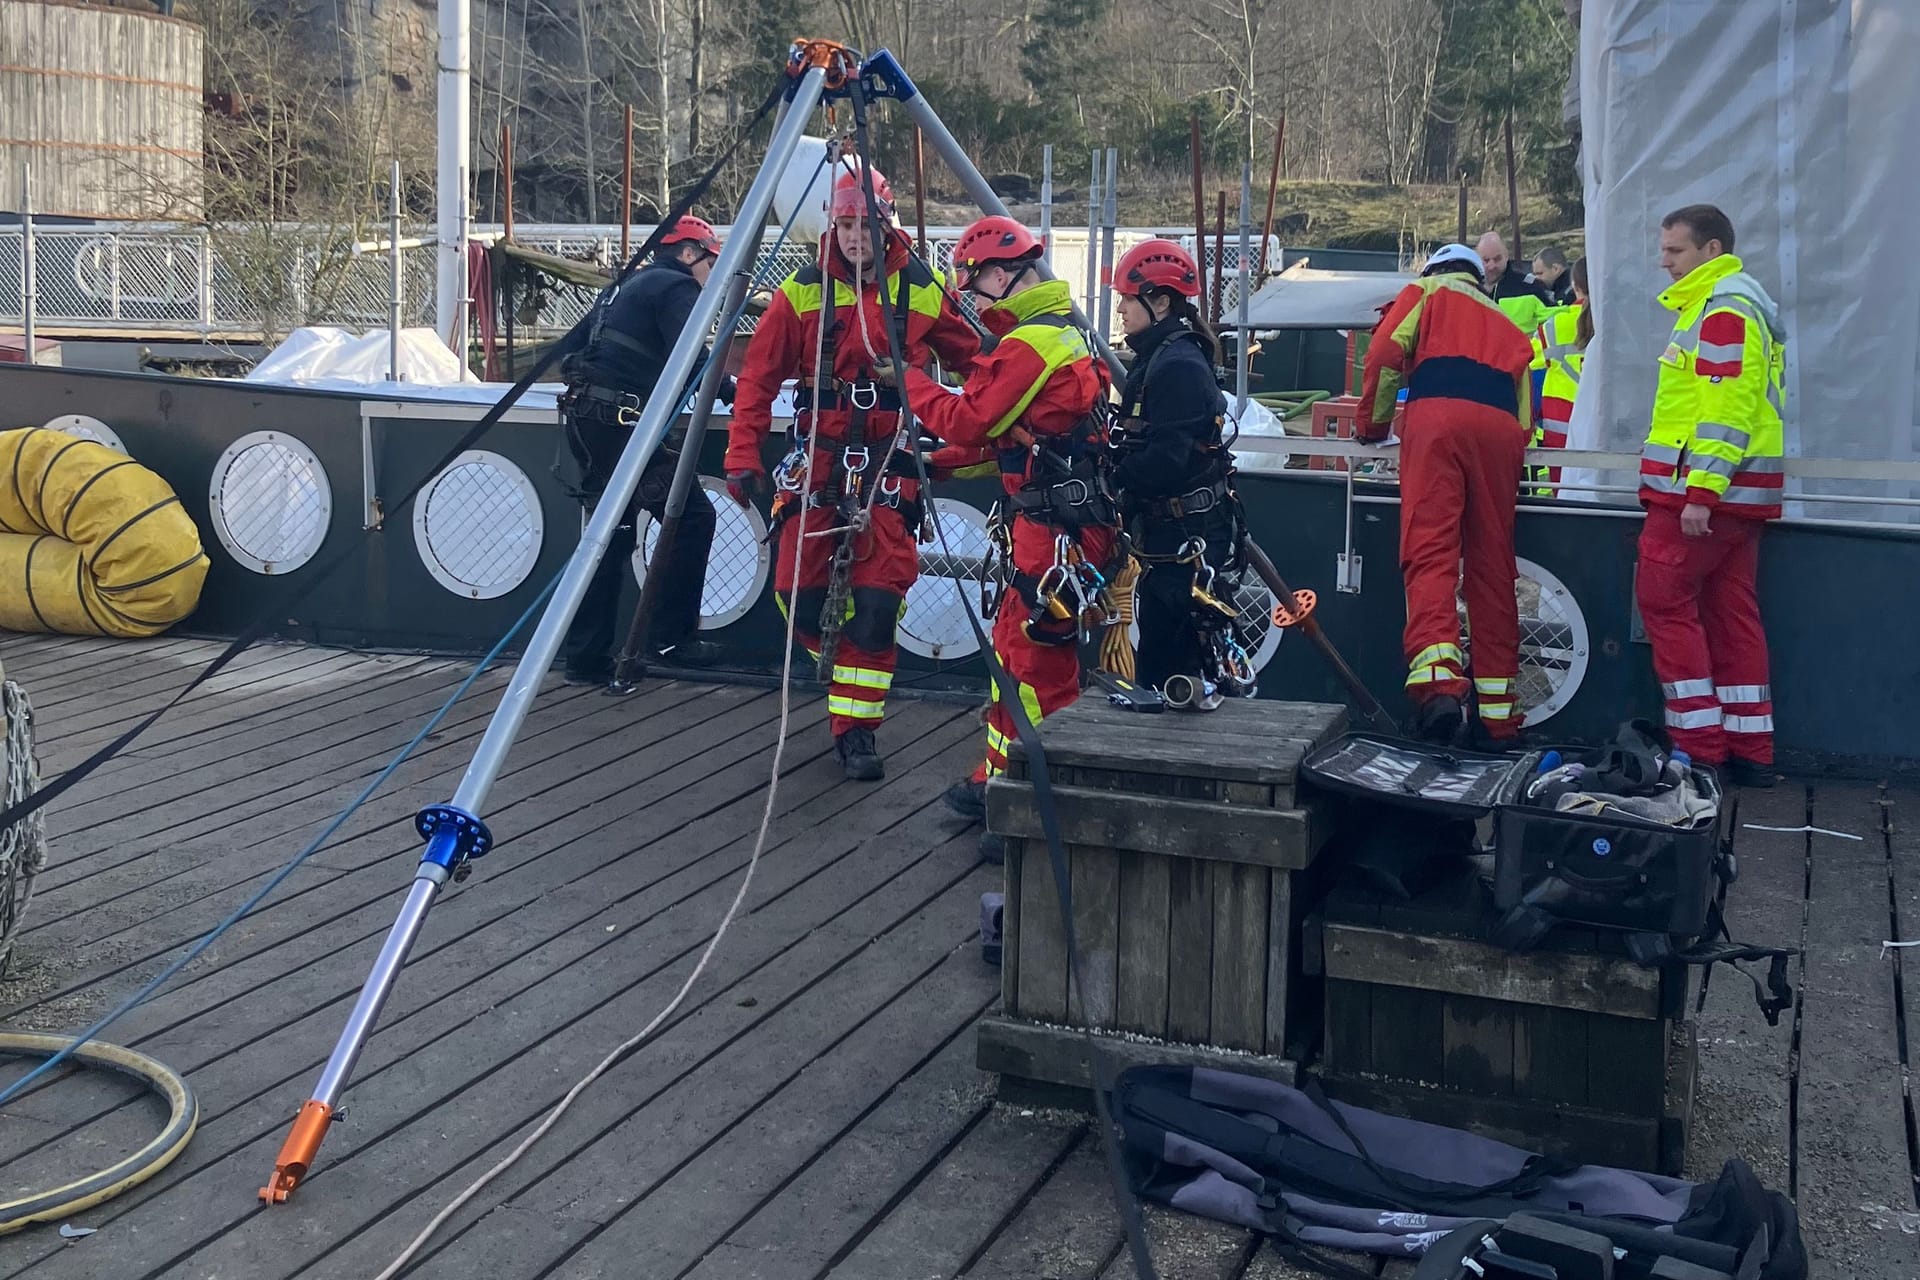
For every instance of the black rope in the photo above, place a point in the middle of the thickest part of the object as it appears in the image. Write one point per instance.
(1099, 1067)
(294, 595)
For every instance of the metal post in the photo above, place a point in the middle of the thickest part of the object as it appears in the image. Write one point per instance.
(452, 111)
(629, 666)
(1046, 202)
(626, 190)
(29, 277)
(1108, 233)
(395, 275)
(463, 312)
(1242, 371)
(1093, 236)
(454, 832)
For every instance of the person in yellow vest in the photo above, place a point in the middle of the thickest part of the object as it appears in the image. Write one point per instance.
(1518, 291)
(1559, 351)
(1711, 476)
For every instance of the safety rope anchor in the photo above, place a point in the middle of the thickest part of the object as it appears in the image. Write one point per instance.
(454, 838)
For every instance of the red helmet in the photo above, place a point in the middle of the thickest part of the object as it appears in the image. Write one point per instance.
(850, 195)
(691, 230)
(1160, 264)
(990, 240)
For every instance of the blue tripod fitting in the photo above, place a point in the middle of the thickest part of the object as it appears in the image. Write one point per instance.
(454, 837)
(882, 76)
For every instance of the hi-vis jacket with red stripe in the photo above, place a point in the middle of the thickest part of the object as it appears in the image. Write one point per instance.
(1444, 339)
(785, 342)
(1042, 376)
(1716, 433)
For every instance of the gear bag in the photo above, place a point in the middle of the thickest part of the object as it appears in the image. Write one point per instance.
(1661, 885)
(1318, 1174)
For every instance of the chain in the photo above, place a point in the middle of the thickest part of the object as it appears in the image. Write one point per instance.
(23, 846)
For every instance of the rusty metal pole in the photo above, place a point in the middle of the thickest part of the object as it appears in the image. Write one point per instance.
(1199, 213)
(506, 159)
(1273, 191)
(1219, 257)
(626, 192)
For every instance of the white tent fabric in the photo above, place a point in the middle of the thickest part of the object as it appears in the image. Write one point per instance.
(1302, 297)
(328, 359)
(1799, 119)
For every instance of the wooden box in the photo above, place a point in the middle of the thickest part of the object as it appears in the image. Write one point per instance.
(1187, 850)
(1572, 1049)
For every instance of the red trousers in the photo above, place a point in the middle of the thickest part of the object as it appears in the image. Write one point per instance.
(1460, 466)
(885, 563)
(1048, 675)
(1702, 612)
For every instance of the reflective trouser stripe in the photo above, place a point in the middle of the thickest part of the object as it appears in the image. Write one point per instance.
(1744, 692)
(864, 677)
(1688, 689)
(1748, 724)
(1705, 718)
(856, 708)
(998, 745)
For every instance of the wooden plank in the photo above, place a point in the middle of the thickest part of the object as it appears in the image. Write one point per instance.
(1575, 1133)
(959, 1206)
(1096, 927)
(1349, 1025)
(1067, 1230)
(1595, 984)
(1042, 964)
(1405, 1034)
(1284, 958)
(1144, 917)
(825, 1211)
(1240, 922)
(1156, 824)
(1477, 1037)
(1014, 867)
(1626, 1064)
(1143, 784)
(1550, 1054)
(1189, 951)
(1855, 1174)
(1058, 1055)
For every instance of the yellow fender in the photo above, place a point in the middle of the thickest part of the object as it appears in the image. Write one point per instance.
(91, 542)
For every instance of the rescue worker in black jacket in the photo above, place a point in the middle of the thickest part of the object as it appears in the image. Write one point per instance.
(1172, 464)
(609, 383)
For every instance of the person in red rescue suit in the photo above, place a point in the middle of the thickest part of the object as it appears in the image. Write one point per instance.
(1711, 474)
(1028, 410)
(855, 454)
(1468, 419)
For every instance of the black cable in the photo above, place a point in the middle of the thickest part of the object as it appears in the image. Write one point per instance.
(1098, 1065)
(283, 606)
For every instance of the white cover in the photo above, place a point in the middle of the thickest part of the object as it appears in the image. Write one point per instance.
(328, 359)
(1801, 119)
(1302, 297)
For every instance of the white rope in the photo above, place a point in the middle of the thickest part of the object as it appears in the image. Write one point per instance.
(726, 922)
(23, 846)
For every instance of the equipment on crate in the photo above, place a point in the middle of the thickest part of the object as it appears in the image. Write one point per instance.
(1313, 1174)
(1125, 694)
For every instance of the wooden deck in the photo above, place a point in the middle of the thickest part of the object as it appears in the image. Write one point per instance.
(813, 1110)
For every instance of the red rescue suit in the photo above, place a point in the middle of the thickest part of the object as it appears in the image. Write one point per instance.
(885, 558)
(1469, 411)
(1027, 406)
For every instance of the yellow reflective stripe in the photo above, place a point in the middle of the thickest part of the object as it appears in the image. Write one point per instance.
(1435, 654)
(865, 677)
(1495, 685)
(997, 741)
(1429, 675)
(924, 299)
(1058, 346)
(1496, 710)
(803, 298)
(1028, 699)
(856, 708)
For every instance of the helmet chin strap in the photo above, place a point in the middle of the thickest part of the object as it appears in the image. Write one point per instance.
(1013, 278)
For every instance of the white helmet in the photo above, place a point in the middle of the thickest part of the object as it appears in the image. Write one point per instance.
(1454, 254)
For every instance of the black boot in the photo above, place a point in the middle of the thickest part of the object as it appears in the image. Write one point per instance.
(1749, 776)
(689, 653)
(1439, 720)
(859, 756)
(968, 799)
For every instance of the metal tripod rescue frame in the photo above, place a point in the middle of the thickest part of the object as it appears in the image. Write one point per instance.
(454, 832)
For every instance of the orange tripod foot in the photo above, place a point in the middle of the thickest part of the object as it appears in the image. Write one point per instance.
(1297, 612)
(297, 1152)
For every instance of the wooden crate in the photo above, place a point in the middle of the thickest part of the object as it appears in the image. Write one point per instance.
(1188, 858)
(1572, 1049)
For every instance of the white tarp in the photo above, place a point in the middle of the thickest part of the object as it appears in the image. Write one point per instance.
(1800, 120)
(1302, 297)
(322, 358)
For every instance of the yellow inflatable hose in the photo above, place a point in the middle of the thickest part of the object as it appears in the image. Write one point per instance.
(91, 542)
(75, 1197)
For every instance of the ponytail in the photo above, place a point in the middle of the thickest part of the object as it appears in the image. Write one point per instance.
(1184, 309)
(1583, 329)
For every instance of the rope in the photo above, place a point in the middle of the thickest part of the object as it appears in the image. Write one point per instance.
(193, 953)
(1116, 647)
(23, 846)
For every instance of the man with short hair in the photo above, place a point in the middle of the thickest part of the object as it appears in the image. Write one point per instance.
(1550, 268)
(1711, 476)
(608, 385)
(1519, 293)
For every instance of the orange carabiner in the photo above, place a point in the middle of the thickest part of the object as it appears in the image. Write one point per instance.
(1303, 604)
